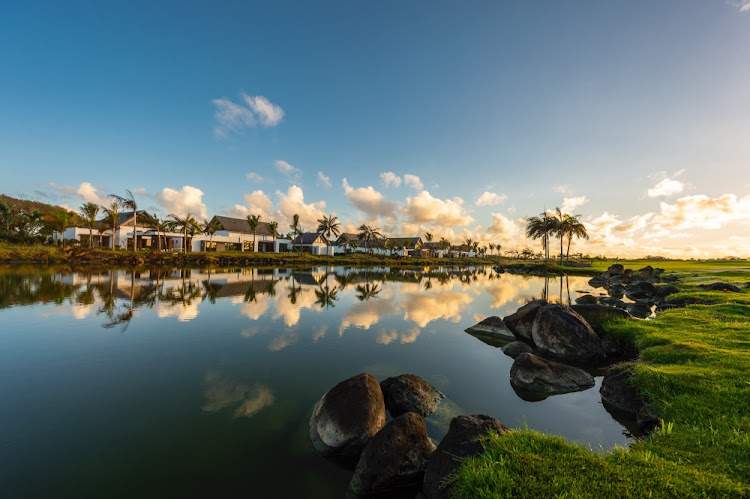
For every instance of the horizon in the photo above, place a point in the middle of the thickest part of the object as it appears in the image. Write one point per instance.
(461, 121)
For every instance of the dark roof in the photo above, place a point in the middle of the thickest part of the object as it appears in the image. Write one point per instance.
(241, 225)
(408, 242)
(347, 236)
(309, 238)
(122, 218)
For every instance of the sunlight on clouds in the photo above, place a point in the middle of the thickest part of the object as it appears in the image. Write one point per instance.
(268, 114)
(570, 204)
(413, 181)
(390, 179)
(666, 187)
(291, 173)
(386, 337)
(233, 118)
(324, 179)
(186, 200)
(703, 212)
(294, 202)
(423, 208)
(369, 201)
(257, 203)
(254, 177)
(183, 311)
(490, 199)
(282, 341)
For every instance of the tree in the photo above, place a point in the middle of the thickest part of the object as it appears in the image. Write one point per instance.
(6, 215)
(296, 228)
(492, 247)
(253, 221)
(183, 224)
(428, 236)
(88, 212)
(210, 227)
(574, 228)
(112, 219)
(329, 225)
(540, 228)
(369, 234)
(60, 221)
(272, 226)
(129, 202)
(157, 224)
(352, 243)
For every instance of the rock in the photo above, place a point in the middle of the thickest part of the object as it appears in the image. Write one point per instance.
(640, 309)
(615, 270)
(647, 419)
(460, 441)
(586, 299)
(617, 291)
(617, 391)
(646, 271)
(561, 333)
(410, 393)
(621, 305)
(396, 457)
(596, 315)
(598, 282)
(521, 322)
(663, 291)
(618, 348)
(640, 289)
(492, 327)
(535, 374)
(346, 417)
(516, 348)
(721, 286)
(628, 274)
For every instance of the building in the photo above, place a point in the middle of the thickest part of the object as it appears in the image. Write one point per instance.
(314, 243)
(234, 234)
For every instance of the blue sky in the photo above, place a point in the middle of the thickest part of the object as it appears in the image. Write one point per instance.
(634, 114)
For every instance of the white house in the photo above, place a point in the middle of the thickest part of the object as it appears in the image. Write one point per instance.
(314, 243)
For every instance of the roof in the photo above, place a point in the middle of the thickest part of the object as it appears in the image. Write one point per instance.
(310, 238)
(347, 236)
(122, 219)
(407, 242)
(241, 225)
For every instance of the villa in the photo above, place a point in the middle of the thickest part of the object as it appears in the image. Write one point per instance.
(315, 243)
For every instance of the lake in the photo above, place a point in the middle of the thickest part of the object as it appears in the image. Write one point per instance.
(154, 383)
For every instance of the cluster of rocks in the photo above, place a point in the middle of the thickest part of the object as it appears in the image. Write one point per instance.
(525, 269)
(350, 420)
(638, 286)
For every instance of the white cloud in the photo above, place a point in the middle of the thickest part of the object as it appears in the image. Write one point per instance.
(703, 212)
(368, 200)
(503, 229)
(570, 204)
(84, 191)
(562, 189)
(254, 177)
(490, 199)
(291, 173)
(390, 179)
(424, 208)
(742, 5)
(257, 203)
(294, 202)
(186, 200)
(667, 186)
(324, 179)
(269, 114)
(413, 181)
(233, 118)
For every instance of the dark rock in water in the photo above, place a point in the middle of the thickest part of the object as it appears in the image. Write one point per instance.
(609, 300)
(663, 291)
(639, 309)
(586, 299)
(561, 333)
(596, 315)
(516, 348)
(721, 286)
(346, 417)
(646, 271)
(410, 393)
(535, 374)
(396, 457)
(640, 289)
(492, 327)
(618, 348)
(597, 282)
(647, 419)
(628, 274)
(460, 441)
(621, 304)
(618, 392)
(617, 291)
(615, 270)
(521, 322)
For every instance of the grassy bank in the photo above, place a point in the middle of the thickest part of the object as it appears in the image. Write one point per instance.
(694, 369)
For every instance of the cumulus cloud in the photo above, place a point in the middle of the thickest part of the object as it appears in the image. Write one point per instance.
(570, 204)
(390, 179)
(254, 177)
(257, 203)
(84, 191)
(324, 179)
(184, 201)
(702, 212)
(413, 181)
(667, 186)
(490, 199)
(233, 118)
(503, 229)
(291, 173)
(424, 208)
(294, 202)
(369, 201)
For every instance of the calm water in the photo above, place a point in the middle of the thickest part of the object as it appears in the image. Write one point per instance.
(166, 383)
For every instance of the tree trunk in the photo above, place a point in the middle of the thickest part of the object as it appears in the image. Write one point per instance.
(561, 249)
(135, 234)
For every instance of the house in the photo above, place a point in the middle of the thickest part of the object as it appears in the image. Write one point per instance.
(235, 234)
(102, 232)
(314, 243)
(342, 244)
(434, 249)
(405, 246)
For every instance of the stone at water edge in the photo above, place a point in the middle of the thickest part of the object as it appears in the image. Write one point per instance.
(516, 348)
(460, 441)
(587, 300)
(534, 374)
(597, 314)
(561, 333)
(395, 457)
(521, 322)
(410, 393)
(347, 416)
(663, 291)
(617, 391)
(493, 327)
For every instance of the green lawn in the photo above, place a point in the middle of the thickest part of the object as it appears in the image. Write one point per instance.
(694, 368)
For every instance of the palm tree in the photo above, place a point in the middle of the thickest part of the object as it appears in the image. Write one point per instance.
(498, 247)
(112, 219)
(329, 225)
(60, 221)
(272, 226)
(210, 227)
(352, 243)
(88, 212)
(428, 237)
(574, 228)
(253, 221)
(296, 228)
(183, 224)
(369, 234)
(492, 247)
(367, 291)
(326, 296)
(157, 224)
(444, 244)
(540, 228)
(129, 202)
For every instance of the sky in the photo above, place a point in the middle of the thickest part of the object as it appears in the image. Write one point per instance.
(461, 119)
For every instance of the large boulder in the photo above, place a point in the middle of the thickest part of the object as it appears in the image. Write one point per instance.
(492, 327)
(646, 271)
(640, 309)
(410, 393)
(597, 314)
(618, 392)
(561, 333)
(598, 281)
(346, 417)
(663, 291)
(639, 290)
(587, 299)
(521, 322)
(615, 270)
(534, 374)
(516, 348)
(721, 286)
(396, 457)
(460, 441)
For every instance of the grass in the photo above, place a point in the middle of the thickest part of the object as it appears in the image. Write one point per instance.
(694, 369)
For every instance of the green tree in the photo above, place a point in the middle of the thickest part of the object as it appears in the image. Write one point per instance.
(272, 228)
(186, 224)
(574, 228)
(253, 221)
(210, 227)
(59, 221)
(329, 225)
(6, 215)
(369, 234)
(88, 212)
(156, 223)
(296, 228)
(541, 227)
(129, 202)
(112, 219)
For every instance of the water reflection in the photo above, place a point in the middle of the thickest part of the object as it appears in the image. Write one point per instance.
(222, 393)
